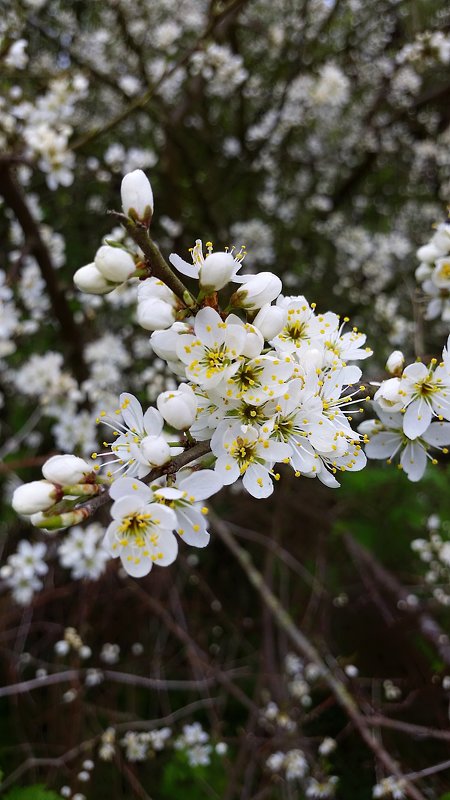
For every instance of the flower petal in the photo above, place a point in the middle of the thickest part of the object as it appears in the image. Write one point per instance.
(202, 484)
(414, 461)
(417, 417)
(257, 481)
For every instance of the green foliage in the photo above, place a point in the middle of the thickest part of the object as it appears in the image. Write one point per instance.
(35, 792)
(383, 494)
(181, 780)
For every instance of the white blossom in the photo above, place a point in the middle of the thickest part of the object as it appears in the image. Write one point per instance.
(141, 530)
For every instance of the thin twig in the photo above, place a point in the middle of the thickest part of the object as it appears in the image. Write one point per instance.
(427, 625)
(191, 454)
(409, 728)
(115, 677)
(155, 261)
(307, 649)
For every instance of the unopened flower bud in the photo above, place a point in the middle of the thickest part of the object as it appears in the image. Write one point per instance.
(216, 271)
(153, 288)
(388, 395)
(179, 407)
(33, 497)
(270, 320)
(88, 279)
(429, 252)
(423, 271)
(114, 263)
(395, 363)
(155, 314)
(66, 469)
(257, 291)
(441, 238)
(137, 196)
(155, 450)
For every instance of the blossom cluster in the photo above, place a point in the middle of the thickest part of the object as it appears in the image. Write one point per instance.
(433, 273)
(193, 741)
(434, 552)
(81, 551)
(265, 380)
(24, 570)
(413, 409)
(293, 764)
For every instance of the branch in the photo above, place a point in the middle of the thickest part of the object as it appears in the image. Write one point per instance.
(428, 627)
(409, 728)
(191, 454)
(158, 265)
(307, 649)
(70, 333)
(67, 676)
(86, 746)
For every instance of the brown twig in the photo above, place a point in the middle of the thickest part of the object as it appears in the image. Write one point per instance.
(427, 625)
(157, 264)
(307, 650)
(67, 676)
(191, 454)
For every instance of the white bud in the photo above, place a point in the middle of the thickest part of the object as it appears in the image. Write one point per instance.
(327, 746)
(388, 395)
(179, 407)
(154, 288)
(164, 342)
(61, 647)
(429, 252)
(88, 279)
(395, 363)
(155, 450)
(137, 196)
(257, 291)
(423, 271)
(270, 320)
(155, 314)
(217, 270)
(33, 497)
(114, 263)
(66, 469)
(441, 238)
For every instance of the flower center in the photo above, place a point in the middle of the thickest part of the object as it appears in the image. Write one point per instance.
(296, 330)
(285, 427)
(247, 376)
(444, 270)
(136, 526)
(215, 360)
(251, 414)
(425, 388)
(243, 452)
